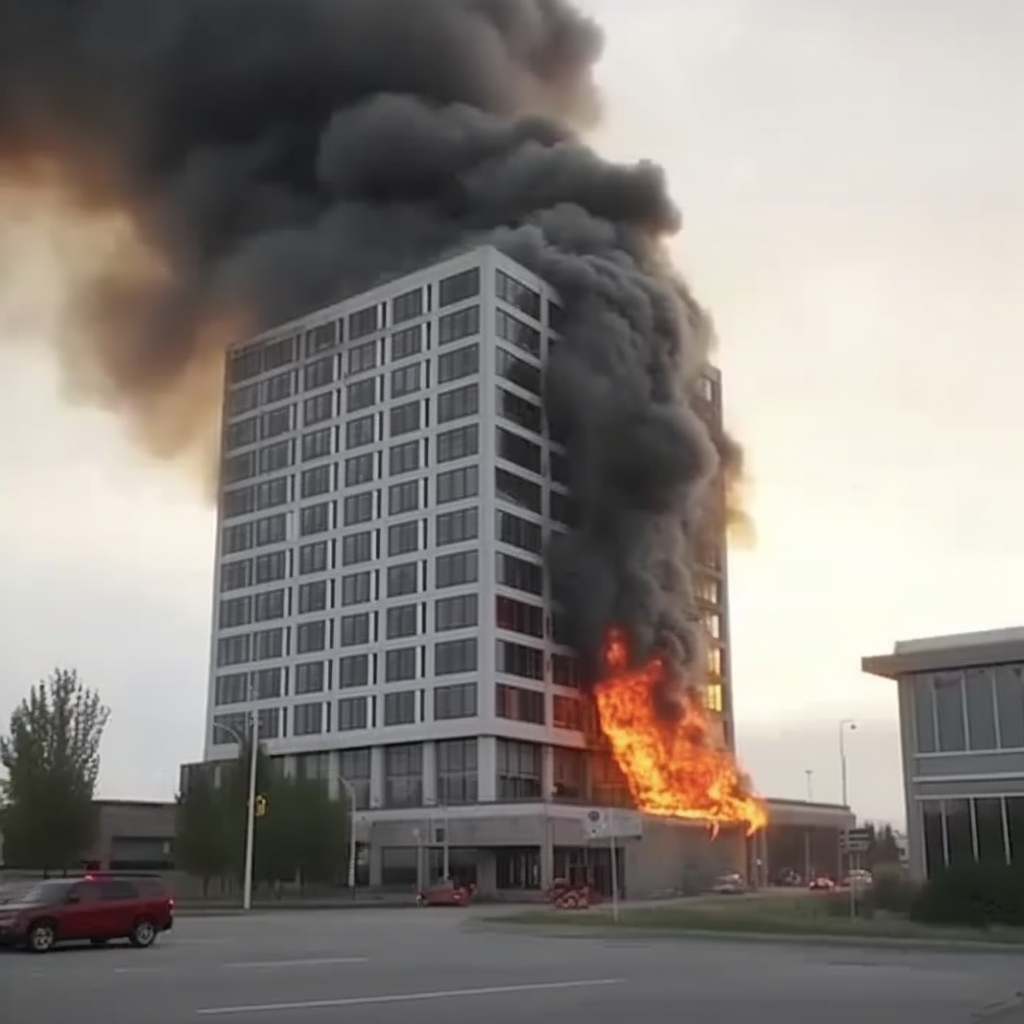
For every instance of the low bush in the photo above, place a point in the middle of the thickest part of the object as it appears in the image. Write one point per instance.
(892, 891)
(972, 894)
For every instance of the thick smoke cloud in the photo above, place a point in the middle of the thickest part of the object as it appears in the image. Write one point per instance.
(277, 154)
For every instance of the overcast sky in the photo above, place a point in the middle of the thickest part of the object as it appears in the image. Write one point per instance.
(850, 172)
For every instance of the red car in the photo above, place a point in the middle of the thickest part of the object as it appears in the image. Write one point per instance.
(96, 909)
(446, 894)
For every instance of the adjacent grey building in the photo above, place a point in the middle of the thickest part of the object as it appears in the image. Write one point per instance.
(388, 487)
(961, 707)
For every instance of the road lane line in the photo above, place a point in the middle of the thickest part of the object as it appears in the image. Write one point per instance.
(252, 964)
(408, 997)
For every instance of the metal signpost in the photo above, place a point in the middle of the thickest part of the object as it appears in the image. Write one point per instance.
(854, 842)
(597, 825)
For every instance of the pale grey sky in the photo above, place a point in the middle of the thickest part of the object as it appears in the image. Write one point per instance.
(850, 172)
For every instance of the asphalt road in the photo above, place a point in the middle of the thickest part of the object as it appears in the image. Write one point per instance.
(423, 967)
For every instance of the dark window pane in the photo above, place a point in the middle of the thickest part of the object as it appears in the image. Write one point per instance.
(959, 838)
(988, 819)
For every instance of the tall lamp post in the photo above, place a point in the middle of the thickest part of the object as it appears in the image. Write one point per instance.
(844, 725)
(250, 815)
(351, 794)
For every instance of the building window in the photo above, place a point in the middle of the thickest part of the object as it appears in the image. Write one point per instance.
(517, 449)
(271, 568)
(519, 617)
(315, 482)
(318, 444)
(406, 380)
(267, 644)
(403, 497)
(271, 530)
(358, 508)
(519, 770)
(320, 373)
(277, 389)
(241, 434)
(457, 772)
(519, 533)
(231, 689)
(360, 431)
(460, 363)
(360, 395)
(458, 526)
(558, 468)
(406, 343)
(454, 656)
(236, 611)
(272, 493)
(518, 704)
(517, 295)
(236, 538)
(518, 490)
(315, 519)
(357, 548)
(355, 770)
(981, 713)
(404, 458)
(458, 484)
(565, 671)
(275, 457)
(460, 443)
(517, 332)
(322, 337)
(307, 719)
(236, 575)
(519, 574)
(1010, 703)
(354, 671)
(313, 558)
(242, 400)
(520, 660)
(313, 597)
(363, 322)
(311, 636)
(355, 629)
(459, 612)
(355, 588)
(403, 538)
(402, 621)
(566, 713)
(269, 605)
(403, 775)
(452, 702)
(400, 665)
(950, 711)
(362, 357)
(352, 714)
(267, 682)
(268, 723)
(407, 306)
(405, 418)
(457, 403)
(524, 375)
(456, 569)
(459, 287)
(570, 774)
(403, 579)
(318, 408)
(310, 677)
(400, 708)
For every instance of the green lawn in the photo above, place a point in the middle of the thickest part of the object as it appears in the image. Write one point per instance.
(765, 915)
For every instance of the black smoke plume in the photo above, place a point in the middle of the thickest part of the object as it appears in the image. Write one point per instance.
(278, 154)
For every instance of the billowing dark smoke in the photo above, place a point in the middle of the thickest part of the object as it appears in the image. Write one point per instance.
(280, 153)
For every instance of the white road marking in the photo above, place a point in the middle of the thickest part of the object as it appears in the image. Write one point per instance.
(251, 964)
(408, 997)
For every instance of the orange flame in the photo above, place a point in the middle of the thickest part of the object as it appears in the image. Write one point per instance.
(673, 770)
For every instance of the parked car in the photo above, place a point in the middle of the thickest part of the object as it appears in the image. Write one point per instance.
(446, 894)
(729, 885)
(95, 908)
(822, 884)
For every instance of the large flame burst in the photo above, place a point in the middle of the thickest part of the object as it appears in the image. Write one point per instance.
(674, 769)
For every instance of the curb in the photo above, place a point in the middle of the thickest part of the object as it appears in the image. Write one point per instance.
(809, 938)
(278, 908)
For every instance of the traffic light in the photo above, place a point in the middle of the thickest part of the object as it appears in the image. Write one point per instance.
(261, 805)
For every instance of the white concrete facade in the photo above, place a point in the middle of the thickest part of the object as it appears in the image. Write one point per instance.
(346, 517)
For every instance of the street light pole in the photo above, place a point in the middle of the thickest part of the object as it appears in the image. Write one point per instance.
(250, 816)
(351, 794)
(846, 723)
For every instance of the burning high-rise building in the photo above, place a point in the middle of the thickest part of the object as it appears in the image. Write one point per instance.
(390, 487)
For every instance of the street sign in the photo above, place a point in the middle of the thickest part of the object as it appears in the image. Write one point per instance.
(596, 823)
(855, 840)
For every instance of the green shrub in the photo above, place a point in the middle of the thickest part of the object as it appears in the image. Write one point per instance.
(972, 894)
(891, 890)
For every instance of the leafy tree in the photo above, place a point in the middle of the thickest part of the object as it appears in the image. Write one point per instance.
(883, 849)
(52, 759)
(201, 843)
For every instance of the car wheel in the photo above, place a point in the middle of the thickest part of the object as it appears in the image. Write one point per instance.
(143, 933)
(41, 937)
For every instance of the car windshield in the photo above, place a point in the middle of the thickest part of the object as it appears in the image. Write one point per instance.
(31, 892)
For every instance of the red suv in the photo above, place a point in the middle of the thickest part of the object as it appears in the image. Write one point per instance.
(95, 909)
